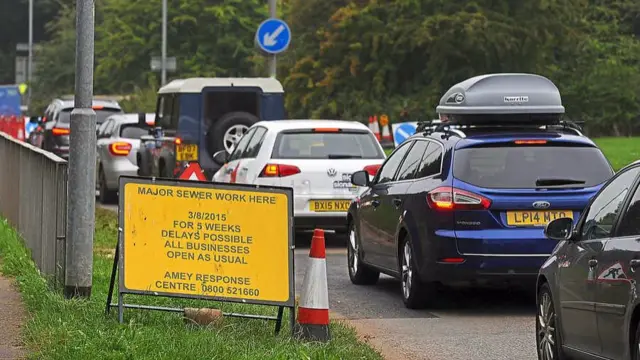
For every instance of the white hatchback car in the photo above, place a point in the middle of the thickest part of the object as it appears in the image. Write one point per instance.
(314, 157)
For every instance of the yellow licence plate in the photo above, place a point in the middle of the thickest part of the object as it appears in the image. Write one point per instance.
(187, 152)
(329, 205)
(535, 218)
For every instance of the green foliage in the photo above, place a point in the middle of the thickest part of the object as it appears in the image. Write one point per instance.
(353, 58)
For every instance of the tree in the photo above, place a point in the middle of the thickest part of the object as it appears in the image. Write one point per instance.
(208, 38)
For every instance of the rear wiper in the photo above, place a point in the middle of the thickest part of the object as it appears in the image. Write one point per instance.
(558, 182)
(343, 156)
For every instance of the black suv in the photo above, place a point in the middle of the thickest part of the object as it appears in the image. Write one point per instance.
(55, 127)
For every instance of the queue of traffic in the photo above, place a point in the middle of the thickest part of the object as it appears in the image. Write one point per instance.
(500, 190)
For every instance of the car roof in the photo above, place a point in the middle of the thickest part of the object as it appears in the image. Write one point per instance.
(281, 125)
(132, 118)
(196, 85)
(68, 104)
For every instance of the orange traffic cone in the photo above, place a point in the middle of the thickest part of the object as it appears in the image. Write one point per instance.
(374, 126)
(313, 309)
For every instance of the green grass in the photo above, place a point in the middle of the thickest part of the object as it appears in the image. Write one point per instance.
(76, 329)
(619, 150)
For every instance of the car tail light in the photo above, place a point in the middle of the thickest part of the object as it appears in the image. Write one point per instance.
(279, 170)
(97, 107)
(60, 131)
(177, 141)
(449, 198)
(530, 142)
(452, 260)
(372, 169)
(120, 148)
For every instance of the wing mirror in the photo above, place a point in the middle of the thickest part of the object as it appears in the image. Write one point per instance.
(360, 178)
(221, 157)
(559, 229)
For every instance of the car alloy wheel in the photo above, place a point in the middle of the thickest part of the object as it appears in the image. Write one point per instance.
(233, 135)
(407, 270)
(546, 328)
(353, 252)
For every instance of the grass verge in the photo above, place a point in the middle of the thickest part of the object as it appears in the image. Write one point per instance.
(619, 150)
(74, 329)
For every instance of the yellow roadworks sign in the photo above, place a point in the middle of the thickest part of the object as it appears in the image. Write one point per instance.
(205, 240)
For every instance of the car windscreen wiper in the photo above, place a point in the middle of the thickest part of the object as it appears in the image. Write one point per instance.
(558, 182)
(343, 156)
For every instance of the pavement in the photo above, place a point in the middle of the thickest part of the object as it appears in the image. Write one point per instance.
(11, 319)
(465, 324)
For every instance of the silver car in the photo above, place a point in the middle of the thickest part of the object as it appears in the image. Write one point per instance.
(118, 142)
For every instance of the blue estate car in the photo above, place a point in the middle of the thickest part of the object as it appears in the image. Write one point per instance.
(466, 201)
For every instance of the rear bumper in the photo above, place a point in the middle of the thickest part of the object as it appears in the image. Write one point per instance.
(61, 151)
(484, 270)
(440, 256)
(326, 222)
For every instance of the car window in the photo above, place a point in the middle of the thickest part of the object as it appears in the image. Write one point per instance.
(604, 209)
(630, 222)
(253, 147)
(412, 161)
(102, 127)
(108, 130)
(389, 168)
(431, 163)
(309, 144)
(519, 166)
(241, 146)
(101, 115)
(167, 110)
(133, 131)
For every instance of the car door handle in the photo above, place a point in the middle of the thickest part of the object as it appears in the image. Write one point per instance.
(397, 202)
(593, 263)
(375, 203)
(634, 263)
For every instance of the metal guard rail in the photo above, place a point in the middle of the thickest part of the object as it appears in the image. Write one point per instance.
(33, 199)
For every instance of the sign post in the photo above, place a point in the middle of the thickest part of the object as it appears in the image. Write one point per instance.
(186, 239)
(273, 37)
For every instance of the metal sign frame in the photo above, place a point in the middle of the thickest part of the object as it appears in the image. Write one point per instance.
(118, 259)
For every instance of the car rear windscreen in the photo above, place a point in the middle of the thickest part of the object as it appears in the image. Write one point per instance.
(133, 131)
(101, 115)
(521, 167)
(326, 145)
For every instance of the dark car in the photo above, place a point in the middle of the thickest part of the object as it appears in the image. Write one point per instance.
(466, 201)
(55, 128)
(588, 304)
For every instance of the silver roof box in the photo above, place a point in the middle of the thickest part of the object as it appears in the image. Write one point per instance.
(502, 94)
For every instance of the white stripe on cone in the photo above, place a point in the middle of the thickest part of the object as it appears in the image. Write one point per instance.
(315, 292)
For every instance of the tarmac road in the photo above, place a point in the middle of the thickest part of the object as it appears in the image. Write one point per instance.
(466, 324)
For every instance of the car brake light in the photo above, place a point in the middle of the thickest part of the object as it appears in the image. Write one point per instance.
(326, 130)
(449, 198)
(279, 170)
(97, 107)
(120, 148)
(177, 141)
(60, 131)
(372, 169)
(530, 142)
(44, 119)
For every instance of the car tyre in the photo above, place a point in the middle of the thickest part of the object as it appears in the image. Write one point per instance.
(359, 273)
(548, 335)
(218, 132)
(416, 294)
(635, 349)
(106, 196)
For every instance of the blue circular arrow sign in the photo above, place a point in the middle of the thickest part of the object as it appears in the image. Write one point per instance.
(403, 132)
(273, 36)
